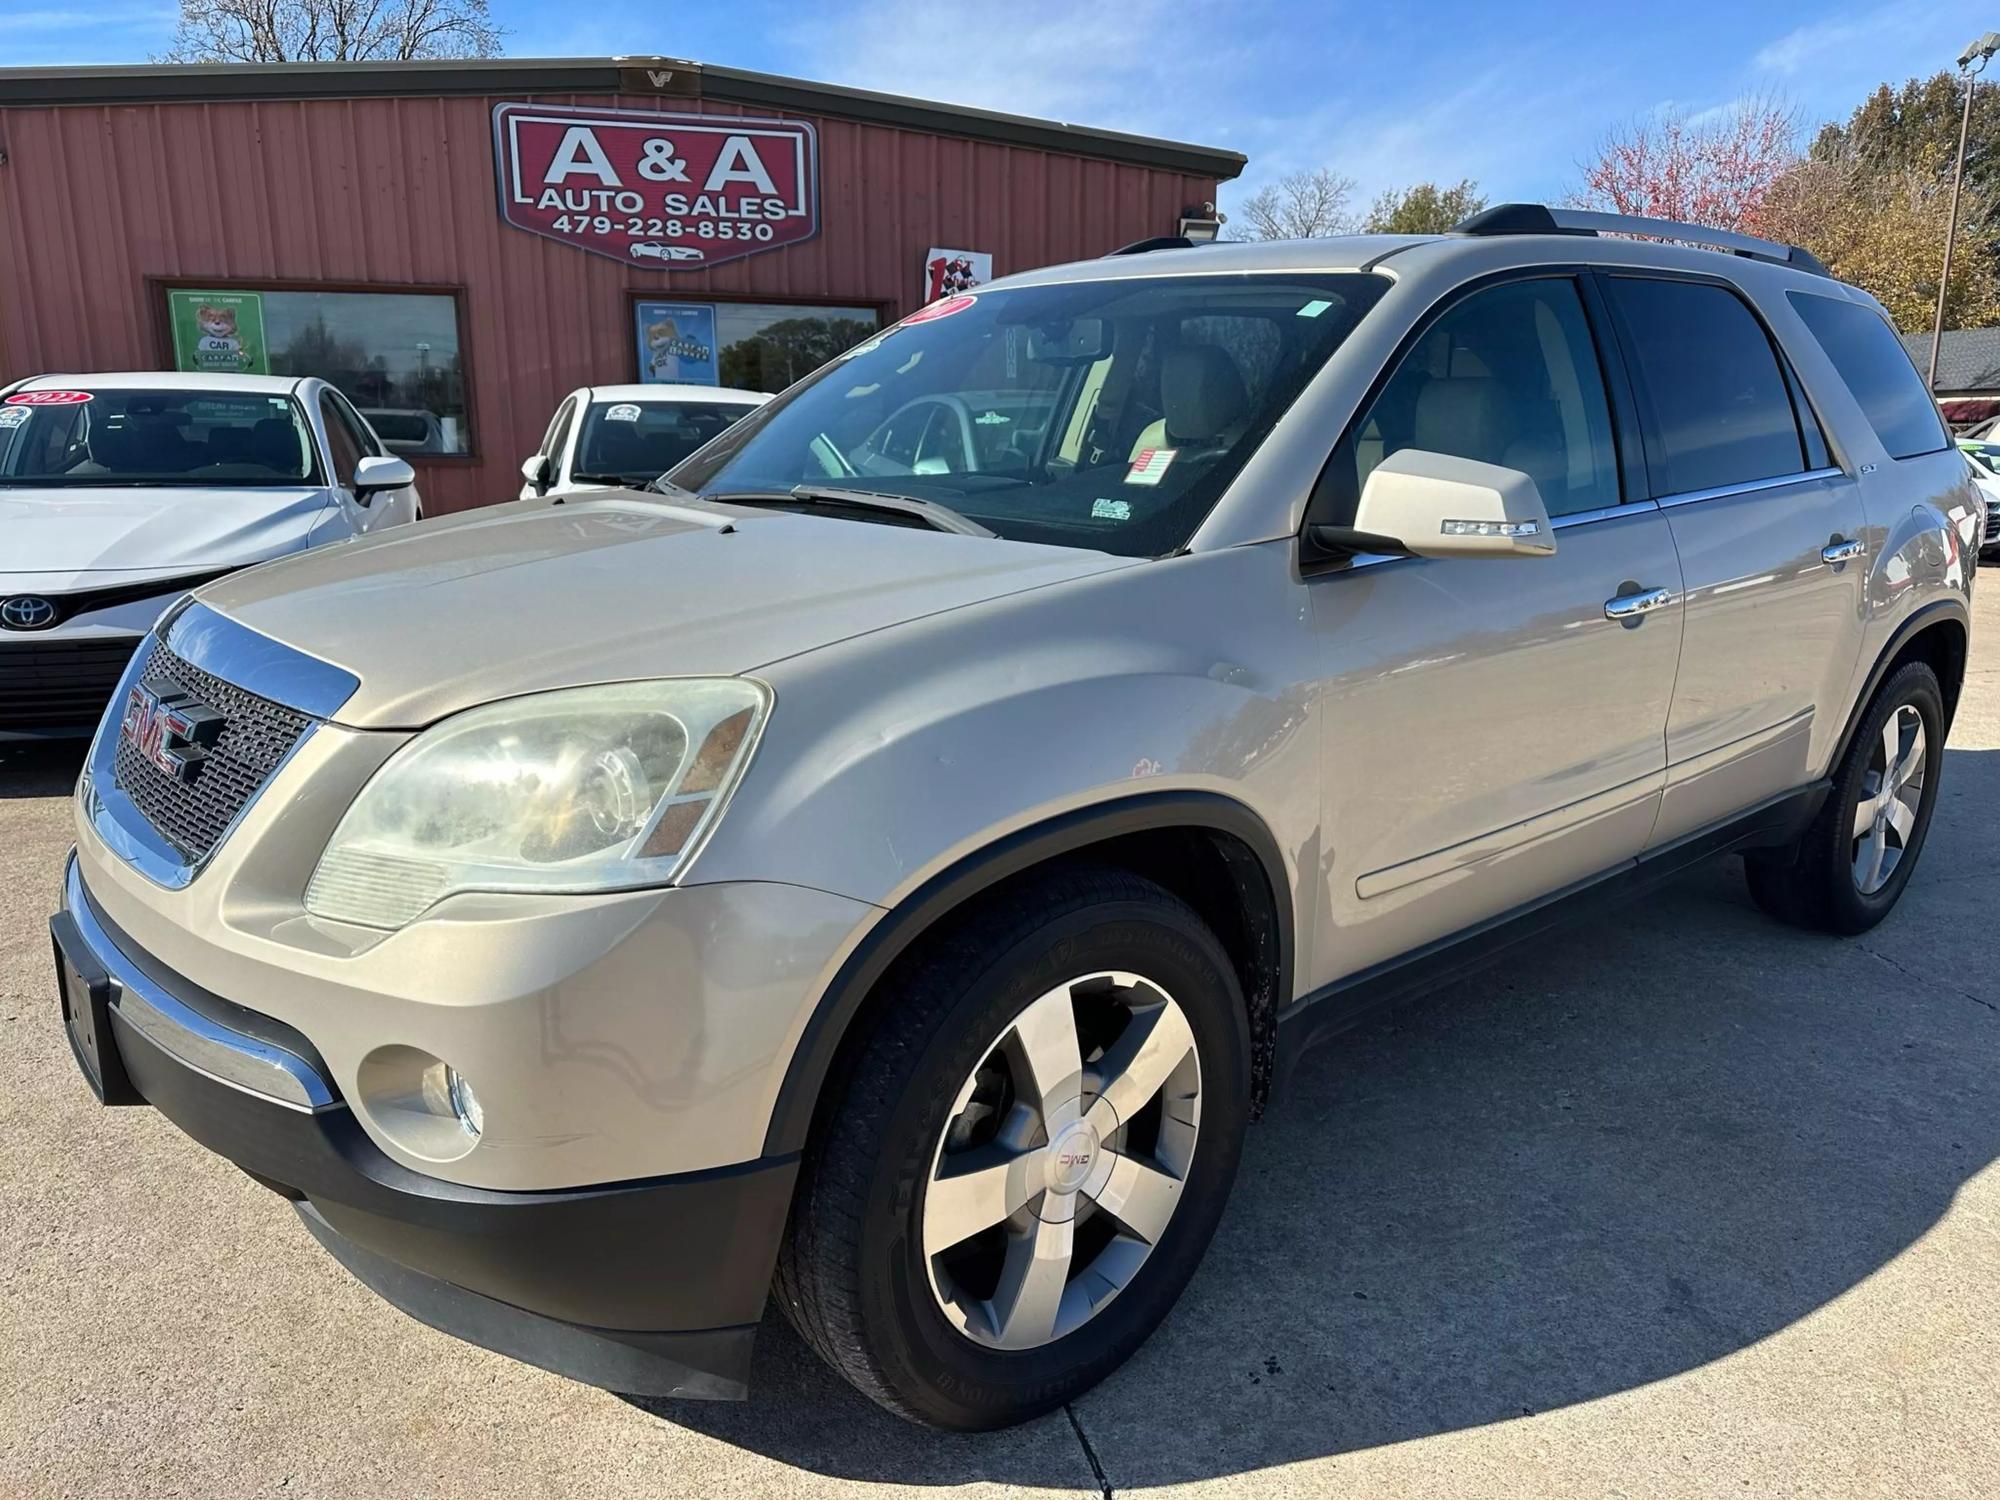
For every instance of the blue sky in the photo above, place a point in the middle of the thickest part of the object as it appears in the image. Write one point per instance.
(1511, 94)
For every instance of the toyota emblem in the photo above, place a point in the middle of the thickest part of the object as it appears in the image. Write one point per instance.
(27, 612)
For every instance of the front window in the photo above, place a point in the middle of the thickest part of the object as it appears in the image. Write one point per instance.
(638, 441)
(1108, 414)
(395, 355)
(105, 438)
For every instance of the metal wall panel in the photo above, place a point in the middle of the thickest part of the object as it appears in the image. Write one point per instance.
(100, 203)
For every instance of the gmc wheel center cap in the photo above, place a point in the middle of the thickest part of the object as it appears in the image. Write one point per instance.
(1072, 1157)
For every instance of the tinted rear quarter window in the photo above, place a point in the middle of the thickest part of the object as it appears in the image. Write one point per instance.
(1877, 369)
(1719, 411)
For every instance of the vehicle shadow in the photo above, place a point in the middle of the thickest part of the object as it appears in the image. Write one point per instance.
(1615, 1156)
(40, 770)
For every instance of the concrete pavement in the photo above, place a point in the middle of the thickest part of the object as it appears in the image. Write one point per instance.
(1679, 1204)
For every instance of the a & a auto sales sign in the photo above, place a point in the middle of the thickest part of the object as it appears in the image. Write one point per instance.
(658, 191)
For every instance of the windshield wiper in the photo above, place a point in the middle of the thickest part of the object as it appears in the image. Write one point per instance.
(938, 517)
(622, 481)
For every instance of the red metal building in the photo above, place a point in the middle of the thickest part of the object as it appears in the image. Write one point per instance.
(458, 244)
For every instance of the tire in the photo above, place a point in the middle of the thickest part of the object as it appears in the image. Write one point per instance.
(909, 1329)
(1816, 882)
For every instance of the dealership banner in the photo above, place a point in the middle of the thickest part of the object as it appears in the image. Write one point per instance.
(663, 192)
(677, 343)
(948, 272)
(219, 333)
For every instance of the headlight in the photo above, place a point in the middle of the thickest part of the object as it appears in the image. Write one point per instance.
(587, 789)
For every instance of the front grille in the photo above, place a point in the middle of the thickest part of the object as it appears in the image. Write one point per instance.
(256, 736)
(58, 686)
(1992, 522)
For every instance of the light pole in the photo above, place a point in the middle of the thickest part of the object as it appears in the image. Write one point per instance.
(1971, 62)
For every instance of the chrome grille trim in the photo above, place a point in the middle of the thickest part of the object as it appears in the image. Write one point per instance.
(257, 664)
(155, 825)
(193, 816)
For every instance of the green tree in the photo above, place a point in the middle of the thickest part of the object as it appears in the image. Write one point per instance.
(788, 350)
(1915, 128)
(1883, 230)
(1424, 208)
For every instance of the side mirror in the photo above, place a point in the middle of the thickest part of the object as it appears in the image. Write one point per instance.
(373, 475)
(1424, 504)
(536, 471)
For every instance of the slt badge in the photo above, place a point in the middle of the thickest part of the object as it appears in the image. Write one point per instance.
(169, 729)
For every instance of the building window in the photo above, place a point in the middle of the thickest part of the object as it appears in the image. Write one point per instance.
(396, 355)
(753, 346)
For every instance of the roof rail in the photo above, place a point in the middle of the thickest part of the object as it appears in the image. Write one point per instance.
(1157, 242)
(1536, 218)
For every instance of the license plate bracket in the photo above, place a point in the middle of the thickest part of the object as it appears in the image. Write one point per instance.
(84, 991)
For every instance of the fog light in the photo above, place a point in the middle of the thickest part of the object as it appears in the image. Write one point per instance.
(447, 1093)
(418, 1101)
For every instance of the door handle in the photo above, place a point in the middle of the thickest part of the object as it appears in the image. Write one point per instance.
(1629, 607)
(1840, 550)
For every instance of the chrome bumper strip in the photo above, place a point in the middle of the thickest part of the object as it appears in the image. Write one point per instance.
(191, 1038)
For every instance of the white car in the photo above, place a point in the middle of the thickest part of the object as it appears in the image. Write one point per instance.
(119, 493)
(613, 436)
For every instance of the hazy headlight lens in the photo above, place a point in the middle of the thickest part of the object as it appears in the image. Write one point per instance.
(581, 790)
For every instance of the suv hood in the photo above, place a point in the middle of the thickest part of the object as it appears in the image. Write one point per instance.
(533, 595)
(134, 531)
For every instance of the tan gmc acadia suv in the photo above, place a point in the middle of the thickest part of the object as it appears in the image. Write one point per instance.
(889, 863)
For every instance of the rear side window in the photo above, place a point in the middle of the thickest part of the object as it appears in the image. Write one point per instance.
(1877, 369)
(1719, 411)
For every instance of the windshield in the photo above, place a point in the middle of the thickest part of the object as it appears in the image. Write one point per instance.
(1105, 414)
(85, 439)
(641, 440)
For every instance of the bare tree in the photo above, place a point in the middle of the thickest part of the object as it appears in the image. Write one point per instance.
(1302, 206)
(331, 31)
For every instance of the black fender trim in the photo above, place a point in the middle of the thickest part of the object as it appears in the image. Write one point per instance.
(1934, 613)
(891, 937)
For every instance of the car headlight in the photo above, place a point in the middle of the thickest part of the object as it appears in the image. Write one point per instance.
(585, 789)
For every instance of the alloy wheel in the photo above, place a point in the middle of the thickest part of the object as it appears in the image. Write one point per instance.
(1892, 793)
(1062, 1163)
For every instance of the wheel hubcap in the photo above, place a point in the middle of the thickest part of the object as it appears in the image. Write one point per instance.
(1063, 1161)
(1892, 792)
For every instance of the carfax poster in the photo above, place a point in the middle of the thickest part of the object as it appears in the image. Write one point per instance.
(677, 343)
(219, 333)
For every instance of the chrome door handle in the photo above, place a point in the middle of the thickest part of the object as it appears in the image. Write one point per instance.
(1627, 606)
(1834, 553)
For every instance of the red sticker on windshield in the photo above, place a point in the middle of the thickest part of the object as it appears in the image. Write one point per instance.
(48, 398)
(944, 307)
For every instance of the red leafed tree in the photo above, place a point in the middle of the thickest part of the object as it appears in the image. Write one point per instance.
(1712, 169)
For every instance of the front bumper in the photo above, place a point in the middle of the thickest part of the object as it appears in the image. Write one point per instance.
(653, 1287)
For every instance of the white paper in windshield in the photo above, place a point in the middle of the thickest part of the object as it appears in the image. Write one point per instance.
(1150, 467)
(622, 414)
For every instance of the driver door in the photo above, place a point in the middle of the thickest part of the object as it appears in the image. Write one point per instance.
(1492, 735)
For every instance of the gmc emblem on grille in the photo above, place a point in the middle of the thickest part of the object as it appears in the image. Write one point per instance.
(170, 729)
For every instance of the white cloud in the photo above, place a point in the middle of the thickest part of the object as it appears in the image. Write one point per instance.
(1105, 66)
(49, 21)
(1881, 40)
